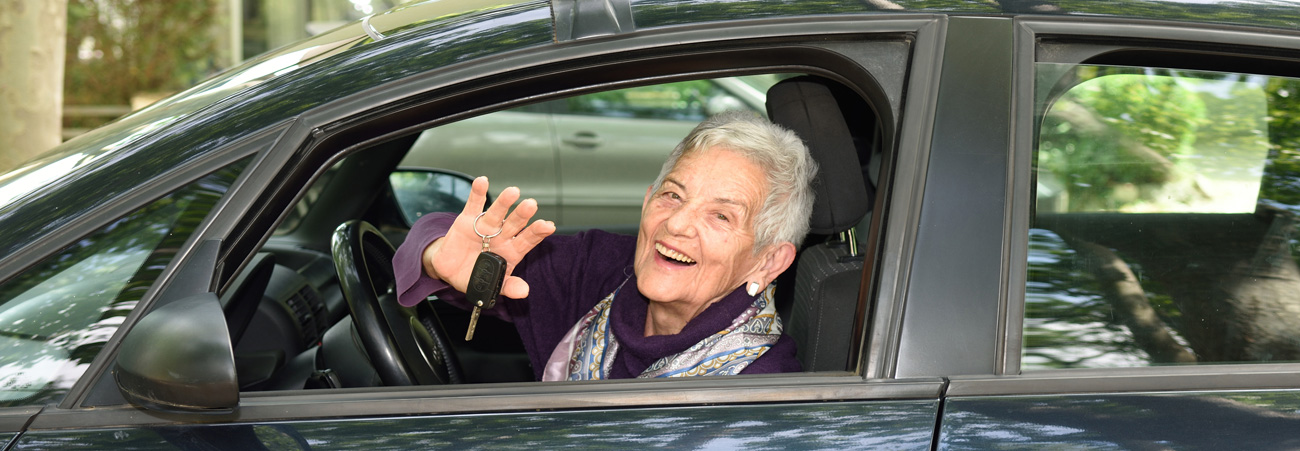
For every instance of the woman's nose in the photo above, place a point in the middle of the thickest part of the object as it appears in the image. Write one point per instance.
(680, 222)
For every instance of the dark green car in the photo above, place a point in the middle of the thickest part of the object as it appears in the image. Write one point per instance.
(1073, 225)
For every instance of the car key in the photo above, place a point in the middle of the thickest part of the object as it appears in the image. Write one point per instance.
(484, 285)
(484, 280)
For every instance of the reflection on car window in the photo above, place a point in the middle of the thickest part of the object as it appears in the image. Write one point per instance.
(1164, 230)
(56, 316)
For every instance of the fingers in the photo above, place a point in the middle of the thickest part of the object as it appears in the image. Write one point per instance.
(532, 236)
(494, 218)
(477, 197)
(519, 218)
(514, 288)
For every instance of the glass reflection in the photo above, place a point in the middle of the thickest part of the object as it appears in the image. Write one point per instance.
(1164, 230)
(57, 315)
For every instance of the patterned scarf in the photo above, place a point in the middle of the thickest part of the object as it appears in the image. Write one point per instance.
(587, 351)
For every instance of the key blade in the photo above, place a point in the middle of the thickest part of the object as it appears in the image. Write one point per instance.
(473, 321)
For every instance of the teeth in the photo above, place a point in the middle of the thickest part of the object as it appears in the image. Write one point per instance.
(672, 254)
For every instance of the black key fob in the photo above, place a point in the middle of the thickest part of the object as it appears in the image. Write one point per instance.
(486, 279)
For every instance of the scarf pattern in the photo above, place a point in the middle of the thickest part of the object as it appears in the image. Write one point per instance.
(724, 353)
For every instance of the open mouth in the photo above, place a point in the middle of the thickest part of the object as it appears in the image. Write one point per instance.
(673, 256)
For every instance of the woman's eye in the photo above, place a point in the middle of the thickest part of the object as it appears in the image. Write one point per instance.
(722, 217)
(672, 196)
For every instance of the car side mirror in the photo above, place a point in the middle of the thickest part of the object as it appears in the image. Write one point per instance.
(423, 191)
(179, 358)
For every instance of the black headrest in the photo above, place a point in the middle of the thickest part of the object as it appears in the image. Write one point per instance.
(807, 106)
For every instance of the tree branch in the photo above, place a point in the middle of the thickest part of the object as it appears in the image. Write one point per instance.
(1125, 294)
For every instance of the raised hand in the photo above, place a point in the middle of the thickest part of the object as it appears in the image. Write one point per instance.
(451, 258)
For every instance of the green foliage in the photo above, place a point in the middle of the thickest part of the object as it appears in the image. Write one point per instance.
(117, 48)
(683, 101)
(1152, 109)
(1281, 184)
(1116, 132)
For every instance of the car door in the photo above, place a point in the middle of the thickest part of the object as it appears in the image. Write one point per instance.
(1153, 295)
(863, 407)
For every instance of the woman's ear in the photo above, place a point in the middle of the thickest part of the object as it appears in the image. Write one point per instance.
(776, 259)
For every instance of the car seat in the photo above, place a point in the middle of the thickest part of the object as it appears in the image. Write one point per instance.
(820, 306)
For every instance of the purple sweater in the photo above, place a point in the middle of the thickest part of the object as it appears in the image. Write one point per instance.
(567, 276)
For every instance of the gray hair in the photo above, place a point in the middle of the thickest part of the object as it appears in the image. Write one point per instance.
(782, 157)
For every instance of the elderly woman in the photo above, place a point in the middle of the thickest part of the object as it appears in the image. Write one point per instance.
(689, 295)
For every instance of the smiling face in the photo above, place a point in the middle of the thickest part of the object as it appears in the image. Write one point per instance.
(696, 240)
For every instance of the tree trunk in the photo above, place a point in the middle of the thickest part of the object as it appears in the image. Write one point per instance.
(1233, 278)
(32, 47)
(1132, 308)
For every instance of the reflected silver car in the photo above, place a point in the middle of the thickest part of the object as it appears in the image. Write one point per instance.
(587, 159)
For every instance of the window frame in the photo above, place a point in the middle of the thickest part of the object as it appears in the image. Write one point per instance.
(1047, 40)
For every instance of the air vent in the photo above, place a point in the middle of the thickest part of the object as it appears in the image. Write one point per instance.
(309, 311)
(302, 311)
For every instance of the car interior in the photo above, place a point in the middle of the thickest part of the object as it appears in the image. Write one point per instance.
(314, 307)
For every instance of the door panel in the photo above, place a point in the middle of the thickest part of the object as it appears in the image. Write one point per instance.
(837, 425)
(1257, 420)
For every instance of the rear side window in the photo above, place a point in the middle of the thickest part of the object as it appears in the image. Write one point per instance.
(1164, 220)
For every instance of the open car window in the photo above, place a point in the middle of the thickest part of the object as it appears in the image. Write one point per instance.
(587, 159)
(1165, 219)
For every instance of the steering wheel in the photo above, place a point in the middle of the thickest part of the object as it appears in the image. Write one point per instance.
(406, 345)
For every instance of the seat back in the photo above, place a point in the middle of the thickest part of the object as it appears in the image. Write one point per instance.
(820, 306)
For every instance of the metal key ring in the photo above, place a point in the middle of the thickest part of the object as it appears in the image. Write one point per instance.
(487, 237)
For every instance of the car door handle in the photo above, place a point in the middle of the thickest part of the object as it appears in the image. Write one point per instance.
(583, 140)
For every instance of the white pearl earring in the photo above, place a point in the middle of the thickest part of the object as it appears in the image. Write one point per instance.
(752, 288)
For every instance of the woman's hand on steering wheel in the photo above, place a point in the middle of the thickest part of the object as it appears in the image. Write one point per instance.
(451, 258)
